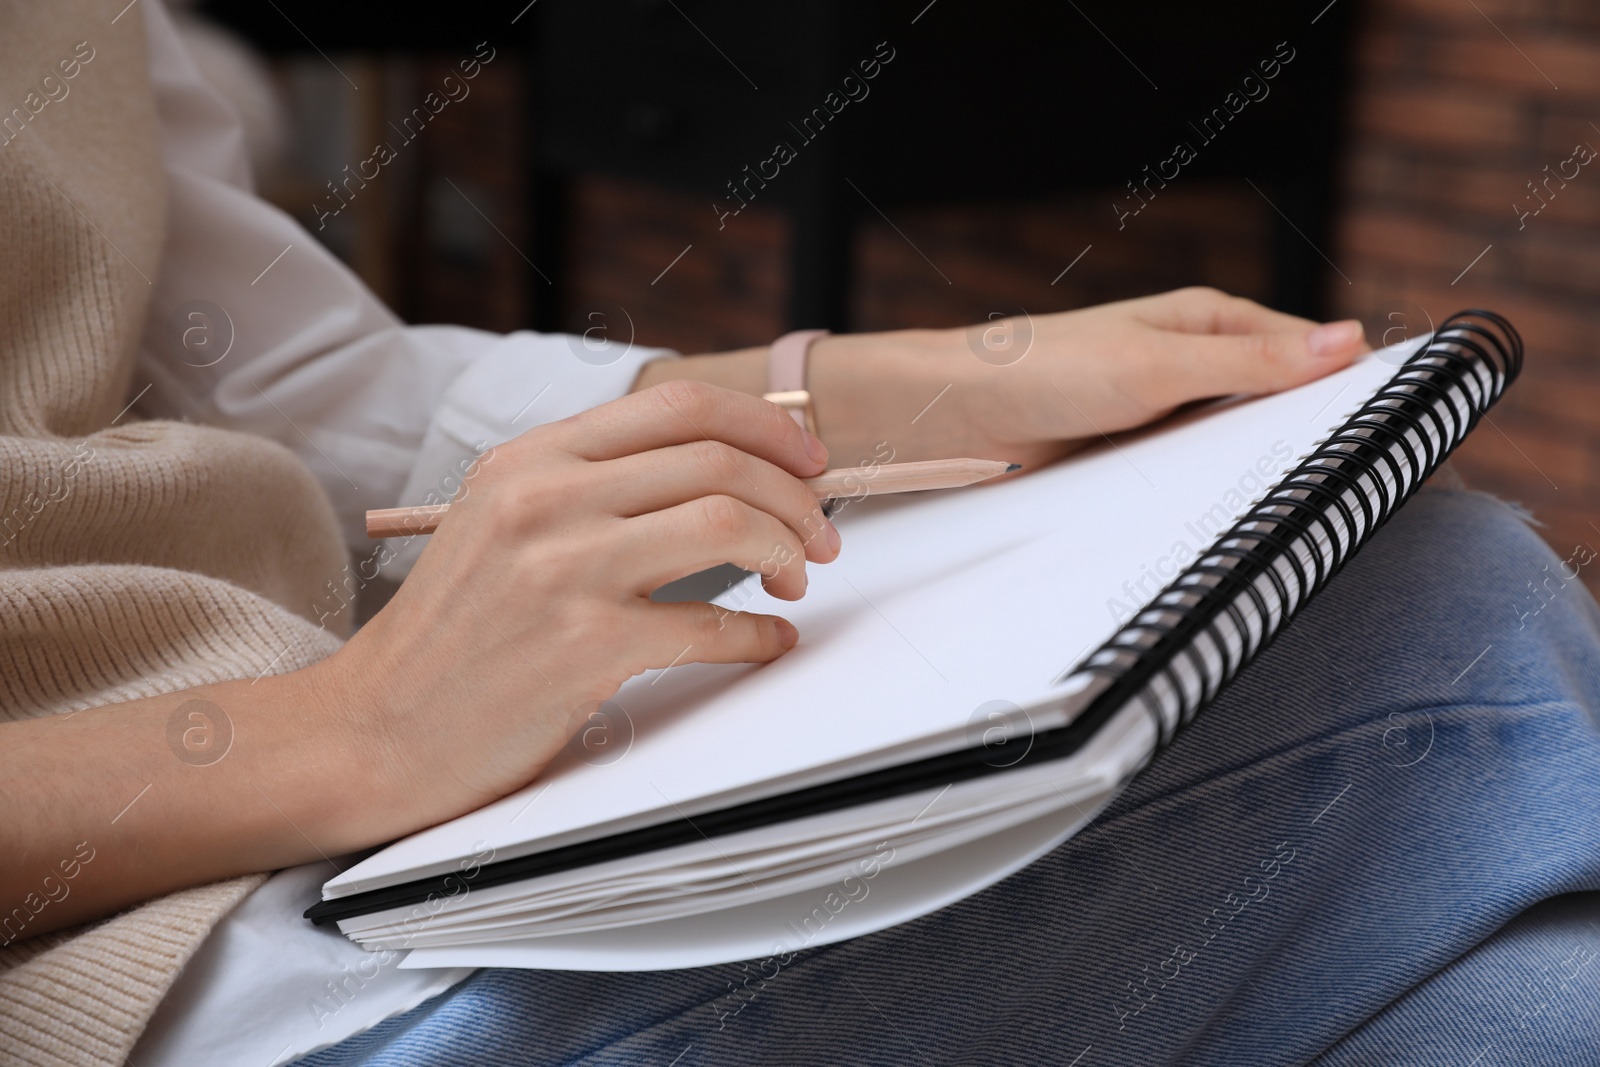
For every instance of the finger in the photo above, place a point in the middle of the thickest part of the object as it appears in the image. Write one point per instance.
(665, 477)
(1207, 366)
(664, 546)
(1200, 309)
(677, 412)
(706, 633)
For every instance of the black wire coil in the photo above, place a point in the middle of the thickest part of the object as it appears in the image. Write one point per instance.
(1217, 615)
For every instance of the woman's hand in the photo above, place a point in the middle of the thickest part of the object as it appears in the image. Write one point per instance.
(528, 608)
(531, 605)
(1113, 367)
(1031, 389)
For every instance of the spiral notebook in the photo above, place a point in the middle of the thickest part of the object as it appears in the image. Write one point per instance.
(979, 674)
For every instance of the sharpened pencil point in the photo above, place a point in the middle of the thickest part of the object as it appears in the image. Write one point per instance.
(1013, 467)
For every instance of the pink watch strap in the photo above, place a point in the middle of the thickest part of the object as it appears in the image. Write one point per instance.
(786, 365)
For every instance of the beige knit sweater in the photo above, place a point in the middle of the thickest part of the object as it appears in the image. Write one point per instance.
(136, 558)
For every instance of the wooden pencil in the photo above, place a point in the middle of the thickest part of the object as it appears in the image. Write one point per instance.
(832, 484)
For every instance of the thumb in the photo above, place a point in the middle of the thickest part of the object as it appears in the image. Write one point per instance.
(1221, 364)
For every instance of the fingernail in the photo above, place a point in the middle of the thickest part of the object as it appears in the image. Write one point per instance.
(1333, 337)
(788, 636)
(831, 533)
(815, 448)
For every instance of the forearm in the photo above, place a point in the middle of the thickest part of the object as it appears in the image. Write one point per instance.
(110, 806)
(865, 389)
(528, 610)
(1030, 389)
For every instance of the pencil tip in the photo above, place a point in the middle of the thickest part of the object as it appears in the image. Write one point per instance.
(1013, 467)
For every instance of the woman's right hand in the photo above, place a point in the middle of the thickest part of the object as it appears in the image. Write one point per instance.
(531, 605)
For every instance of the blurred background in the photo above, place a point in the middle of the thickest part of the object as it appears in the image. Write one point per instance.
(614, 164)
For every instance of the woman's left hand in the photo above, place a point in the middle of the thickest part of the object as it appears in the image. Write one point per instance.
(1031, 389)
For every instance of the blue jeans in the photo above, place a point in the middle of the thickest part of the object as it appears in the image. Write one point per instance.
(1380, 846)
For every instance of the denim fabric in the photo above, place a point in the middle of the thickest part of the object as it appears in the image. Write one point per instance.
(1529, 994)
(1343, 860)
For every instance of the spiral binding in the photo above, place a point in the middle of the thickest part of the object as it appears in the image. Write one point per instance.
(1218, 615)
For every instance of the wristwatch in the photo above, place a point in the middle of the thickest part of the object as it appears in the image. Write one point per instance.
(786, 376)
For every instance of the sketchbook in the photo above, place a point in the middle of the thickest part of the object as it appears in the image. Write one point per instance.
(978, 675)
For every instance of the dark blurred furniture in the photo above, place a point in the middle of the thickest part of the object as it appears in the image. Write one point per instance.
(981, 102)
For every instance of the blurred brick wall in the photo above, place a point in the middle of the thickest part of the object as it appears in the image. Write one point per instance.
(1459, 106)
(469, 204)
(729, 289)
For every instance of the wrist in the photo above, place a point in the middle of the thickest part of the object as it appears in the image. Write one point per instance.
(890, 387)
(866, 388)
(354, 784)
(744, 370)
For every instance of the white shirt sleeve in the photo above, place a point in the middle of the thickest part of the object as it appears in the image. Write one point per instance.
(255, 326)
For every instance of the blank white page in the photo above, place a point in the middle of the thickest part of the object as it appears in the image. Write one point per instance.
(938, 604)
